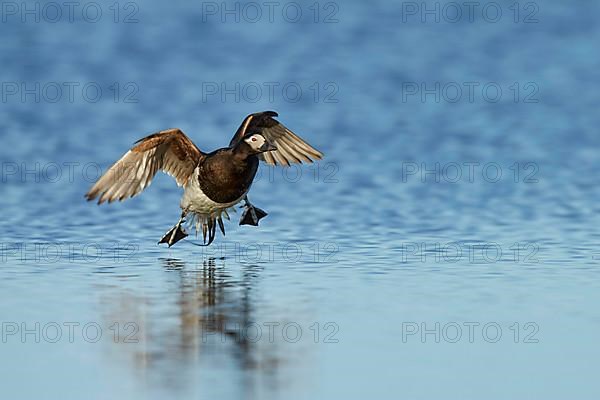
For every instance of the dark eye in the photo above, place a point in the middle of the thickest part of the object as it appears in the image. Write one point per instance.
(254, 139)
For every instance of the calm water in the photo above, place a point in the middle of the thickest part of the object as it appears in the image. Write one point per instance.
(445, 247)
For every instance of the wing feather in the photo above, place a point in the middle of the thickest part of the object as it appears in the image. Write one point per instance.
(170, 151)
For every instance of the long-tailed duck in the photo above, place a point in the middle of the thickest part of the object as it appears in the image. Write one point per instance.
(213, 182)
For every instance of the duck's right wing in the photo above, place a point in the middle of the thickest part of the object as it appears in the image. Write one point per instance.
(290, 147)
(170, 151)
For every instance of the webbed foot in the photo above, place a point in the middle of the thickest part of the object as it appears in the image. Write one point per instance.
(251, 215)
(174, 235)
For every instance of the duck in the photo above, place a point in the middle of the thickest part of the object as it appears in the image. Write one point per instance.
(213, 183)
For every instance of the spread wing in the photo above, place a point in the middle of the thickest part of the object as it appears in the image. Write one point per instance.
(170, 151)
(290, 147)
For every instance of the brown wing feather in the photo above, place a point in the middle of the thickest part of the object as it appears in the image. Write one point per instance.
(290, 147)
(170, 151)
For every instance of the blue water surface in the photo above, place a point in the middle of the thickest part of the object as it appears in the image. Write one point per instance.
(445, 247)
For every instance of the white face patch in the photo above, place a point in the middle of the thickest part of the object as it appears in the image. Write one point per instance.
(255, 141)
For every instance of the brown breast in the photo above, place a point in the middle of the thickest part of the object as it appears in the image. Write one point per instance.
(224, 177)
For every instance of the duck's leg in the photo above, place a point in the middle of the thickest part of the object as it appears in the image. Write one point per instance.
(176, 233)
(251, 214)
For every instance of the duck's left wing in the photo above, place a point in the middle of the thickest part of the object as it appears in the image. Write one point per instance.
(290, 147)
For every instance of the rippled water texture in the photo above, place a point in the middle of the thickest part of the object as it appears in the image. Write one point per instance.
(446, 247)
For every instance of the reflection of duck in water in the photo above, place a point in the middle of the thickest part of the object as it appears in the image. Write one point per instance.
(212, 310)
(213, 182)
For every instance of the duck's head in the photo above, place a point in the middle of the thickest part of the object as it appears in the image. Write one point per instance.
(258, 143)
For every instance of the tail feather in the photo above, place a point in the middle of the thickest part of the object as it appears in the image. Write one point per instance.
(207, 224)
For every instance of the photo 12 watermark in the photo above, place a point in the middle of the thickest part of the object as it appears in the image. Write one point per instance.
(469, 253)
(68, 92)
(317, 172)
(470, 172)
(455, 12)
(68, 252)
(469, 332)
(284, 252)
(270, 92)
(53, 12)
(68, 332)
(271, 332)
(470, 92)
(252, 12)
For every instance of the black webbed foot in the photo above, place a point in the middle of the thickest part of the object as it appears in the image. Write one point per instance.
(174, 235)
(252, 215)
